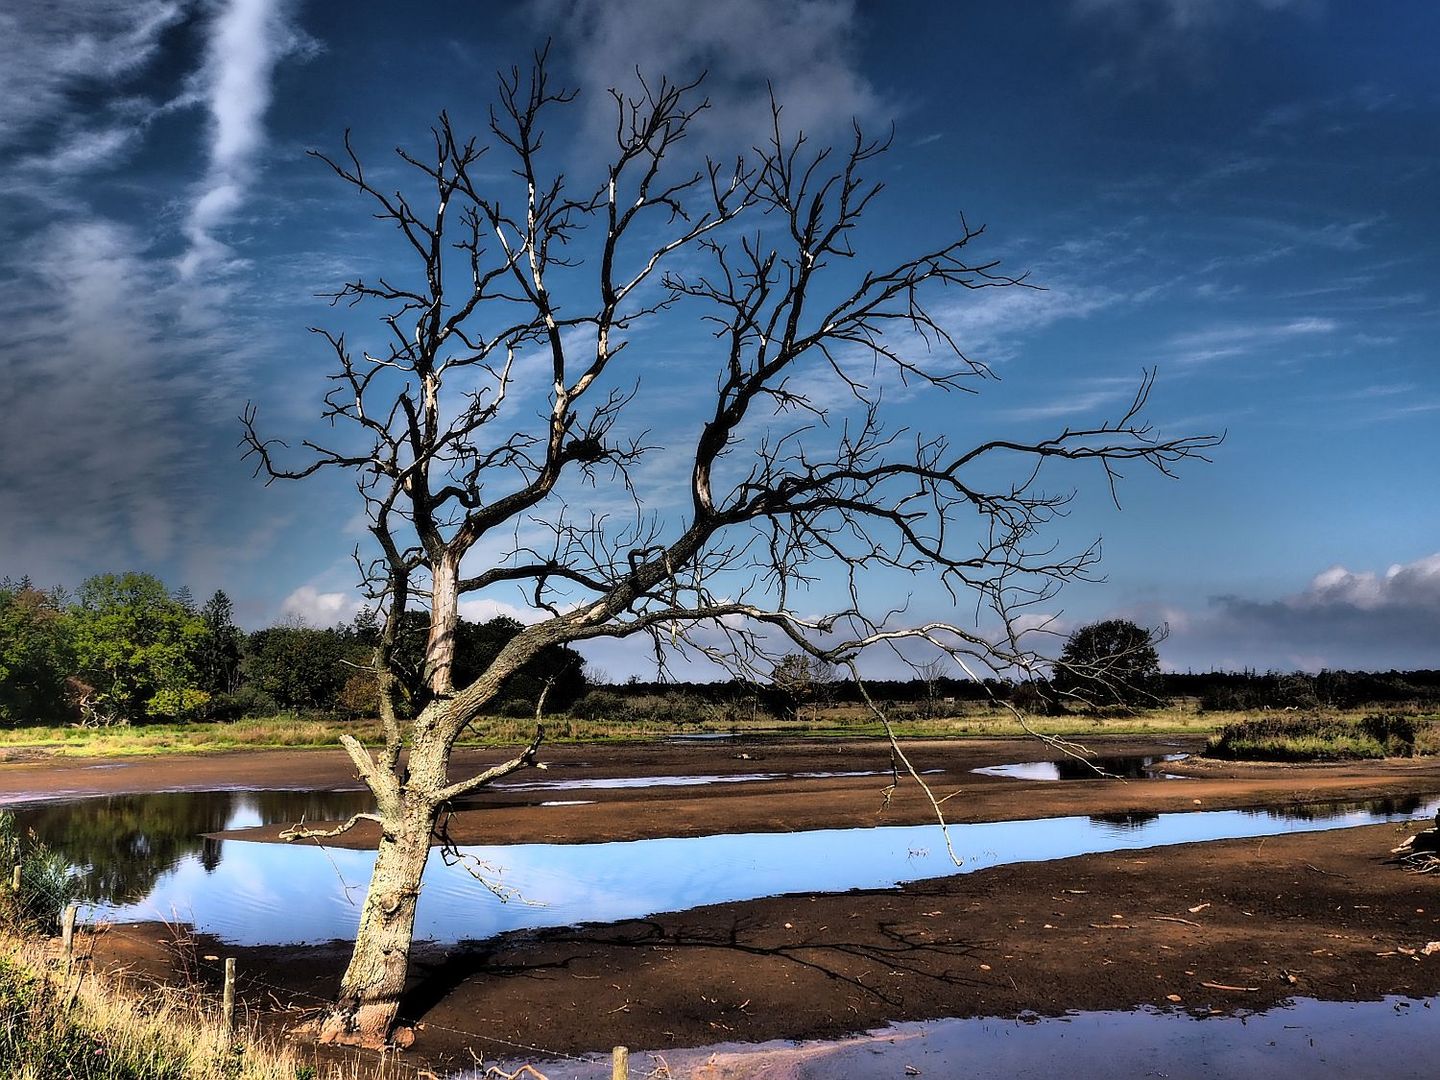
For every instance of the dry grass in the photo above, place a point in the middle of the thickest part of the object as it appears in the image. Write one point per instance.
(644, 719)
(78, 1025)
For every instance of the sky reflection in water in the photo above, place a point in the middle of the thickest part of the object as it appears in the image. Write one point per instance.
(1318, 1040)
(253, 893)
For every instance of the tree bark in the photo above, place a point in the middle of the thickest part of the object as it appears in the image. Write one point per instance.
(444, 618)
(365, 1009)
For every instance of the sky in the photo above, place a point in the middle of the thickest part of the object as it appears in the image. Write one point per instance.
(1238, 194)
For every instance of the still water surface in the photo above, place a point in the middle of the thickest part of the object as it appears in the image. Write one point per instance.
(1316, 1040)
(146, 858)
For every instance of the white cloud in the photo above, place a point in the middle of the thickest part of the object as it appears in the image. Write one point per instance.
(247, 39)
(1238, 339)
(484, 609)
(316, 608)
(1402, 585)
(1342, 619)
(48, 51)
(803, 48)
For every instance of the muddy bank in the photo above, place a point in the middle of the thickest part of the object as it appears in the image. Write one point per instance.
(1319, 915)
(775, 801)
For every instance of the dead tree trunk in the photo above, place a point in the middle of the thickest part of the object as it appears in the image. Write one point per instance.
(498, 283)
(365, 1008)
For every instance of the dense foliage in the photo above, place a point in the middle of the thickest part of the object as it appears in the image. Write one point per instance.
(1109, 664)
(1285, 737)
(126, 650)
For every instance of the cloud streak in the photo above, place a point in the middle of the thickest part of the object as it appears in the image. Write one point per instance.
(49, 51)
(246, 40)
(804, 49)
(1198, 347)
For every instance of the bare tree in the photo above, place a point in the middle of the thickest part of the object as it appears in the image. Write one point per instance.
(790, 471)
(932, 673)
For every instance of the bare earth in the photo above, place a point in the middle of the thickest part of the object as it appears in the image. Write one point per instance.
(1317, 915)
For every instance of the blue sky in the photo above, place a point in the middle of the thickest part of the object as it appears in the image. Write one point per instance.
(1238, 193)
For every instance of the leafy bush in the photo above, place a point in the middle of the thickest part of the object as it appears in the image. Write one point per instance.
(1315, 738)
(48, 883)
(1393, 731)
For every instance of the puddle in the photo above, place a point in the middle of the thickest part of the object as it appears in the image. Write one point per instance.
(1319, 1040)
(1124, 768)
(678, 781)
(255, 894)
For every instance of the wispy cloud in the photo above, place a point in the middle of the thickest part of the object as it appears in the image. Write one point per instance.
(1336, 111)
(1239, 339)
(49, 51)
(992, 322)
(246, 40)
(804, 49)
(1078, 402)
(113, 359)
(1164, 37)
(91, 453)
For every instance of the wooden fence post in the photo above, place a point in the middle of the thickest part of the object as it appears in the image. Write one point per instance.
(67, 933)
(15, 878)
(227, 1003)
(620, 1063)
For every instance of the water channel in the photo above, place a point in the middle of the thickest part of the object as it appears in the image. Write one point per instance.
(146, 857)
(1318, 1040)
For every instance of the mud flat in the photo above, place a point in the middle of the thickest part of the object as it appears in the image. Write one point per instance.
(1241, 924)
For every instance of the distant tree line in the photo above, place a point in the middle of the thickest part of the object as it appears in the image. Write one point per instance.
(124, 649)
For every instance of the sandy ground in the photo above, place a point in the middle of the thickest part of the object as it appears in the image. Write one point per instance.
(1318, 915)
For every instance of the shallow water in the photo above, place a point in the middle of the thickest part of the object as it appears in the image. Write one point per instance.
(1318, 1040)
(1095, 768)
(604, 782)
(256, 893)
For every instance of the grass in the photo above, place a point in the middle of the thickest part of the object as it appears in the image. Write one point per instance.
(76, 1027)
(631, 721)
(649, 721)
(1325, 737)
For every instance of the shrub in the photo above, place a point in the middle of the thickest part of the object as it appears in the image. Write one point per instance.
(48, 883)
(1314, 738)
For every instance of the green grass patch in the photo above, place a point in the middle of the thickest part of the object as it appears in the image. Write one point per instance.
(1323, 738)
(623, 721)
(649, 718)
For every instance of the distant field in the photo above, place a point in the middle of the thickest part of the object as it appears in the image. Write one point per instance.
(966, 719)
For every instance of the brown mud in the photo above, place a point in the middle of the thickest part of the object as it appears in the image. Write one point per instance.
(1238, 924)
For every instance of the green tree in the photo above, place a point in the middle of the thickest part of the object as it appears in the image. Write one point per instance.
(298, 667)
(1110, 664)
(135, 648)
(36, 654)
(218, 657)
